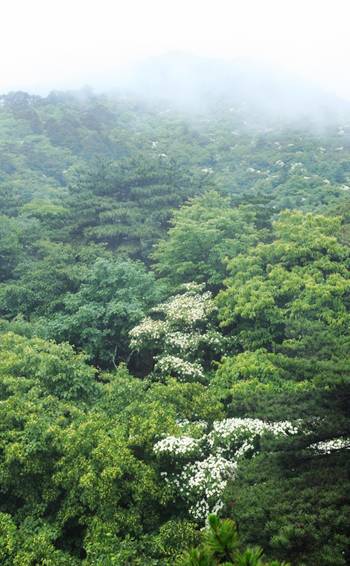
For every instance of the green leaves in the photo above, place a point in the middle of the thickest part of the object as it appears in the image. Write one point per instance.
(113, 297)
(291, 289)
(221, 546)
(51, 369)
(205, 233)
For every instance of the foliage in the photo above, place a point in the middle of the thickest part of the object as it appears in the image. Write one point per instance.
(112, 297)
(221, 546)
(33, 364)
(205, 233)
(201, 262)
(297, 506)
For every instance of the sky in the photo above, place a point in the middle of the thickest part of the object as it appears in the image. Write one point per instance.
(67, 44)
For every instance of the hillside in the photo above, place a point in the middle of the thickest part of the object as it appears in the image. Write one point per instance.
(174, 324)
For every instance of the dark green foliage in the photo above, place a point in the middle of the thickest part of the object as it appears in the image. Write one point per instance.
(113, 297)
(298, 506)
(127, 205)
(221, 545)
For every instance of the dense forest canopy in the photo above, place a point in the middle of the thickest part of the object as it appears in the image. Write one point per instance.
(174, 333)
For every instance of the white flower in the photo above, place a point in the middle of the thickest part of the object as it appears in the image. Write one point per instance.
(177, 445)
(182, 368)
(328, 446)
(147, 329)
(201, 483)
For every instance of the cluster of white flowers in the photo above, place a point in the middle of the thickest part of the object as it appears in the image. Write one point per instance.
(189, 343)
(297, 165)
(177, 445)
(280, 163)
(184, 342)
(179, 330)
(206, 480)
(236, 426)
(188, 308)
(147, 329)
(201, 483)
(328, 446)
(183, 369)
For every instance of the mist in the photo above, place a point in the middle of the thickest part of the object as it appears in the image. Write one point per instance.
(284, 59)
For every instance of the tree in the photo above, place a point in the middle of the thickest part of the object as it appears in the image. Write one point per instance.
(205, 232)
(180, 336)
(46, 368)
(114, 295)
(127, 205)
(221, 546)
(288, 304)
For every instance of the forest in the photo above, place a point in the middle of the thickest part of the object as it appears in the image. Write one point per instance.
(174, 334)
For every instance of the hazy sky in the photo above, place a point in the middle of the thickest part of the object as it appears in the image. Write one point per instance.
(46, 44)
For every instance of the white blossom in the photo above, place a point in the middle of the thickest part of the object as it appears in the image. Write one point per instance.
(182, 368)
(177, 445)
(177, 333)
(328, 446)
(206, 480)
(147, 329)
(201, 483)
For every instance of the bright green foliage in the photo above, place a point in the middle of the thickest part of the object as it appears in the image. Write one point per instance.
(205, 233)
(30, 543)
(75, 480)
(46, 368)
(292, 292)
(262, 384)
(289, 302)
(221, 546)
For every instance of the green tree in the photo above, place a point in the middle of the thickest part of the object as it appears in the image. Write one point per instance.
(205, 233)
(114, 295)
(46, 368)
(287, 302)
(127, 205)
(221, 546)
(10, 246)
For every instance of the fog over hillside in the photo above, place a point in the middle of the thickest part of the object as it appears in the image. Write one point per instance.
(194, 83)
(260, 92)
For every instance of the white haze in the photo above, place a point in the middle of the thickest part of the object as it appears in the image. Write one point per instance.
(65, 44)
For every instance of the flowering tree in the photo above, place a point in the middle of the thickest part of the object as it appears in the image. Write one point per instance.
(180, 335)
(199, 463)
